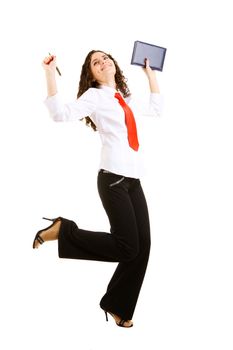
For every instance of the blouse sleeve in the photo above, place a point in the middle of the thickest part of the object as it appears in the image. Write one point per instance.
(150, 107)
(84, 106)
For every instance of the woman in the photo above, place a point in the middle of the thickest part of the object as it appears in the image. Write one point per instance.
(100, 101)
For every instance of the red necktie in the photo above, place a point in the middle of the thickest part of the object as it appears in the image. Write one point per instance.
(130, 122)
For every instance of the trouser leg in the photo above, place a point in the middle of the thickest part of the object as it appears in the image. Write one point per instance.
(124, 288)
(121, 245)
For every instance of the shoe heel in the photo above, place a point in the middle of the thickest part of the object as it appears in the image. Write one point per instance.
(49, 219)
(53, 220)
(106, 315)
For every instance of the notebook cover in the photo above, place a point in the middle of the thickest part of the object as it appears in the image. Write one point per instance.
(155, 54)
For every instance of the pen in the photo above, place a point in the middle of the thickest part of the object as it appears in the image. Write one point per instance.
(56, 67)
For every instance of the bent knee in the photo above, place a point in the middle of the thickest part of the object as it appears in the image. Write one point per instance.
(130, 254)
(137, 251)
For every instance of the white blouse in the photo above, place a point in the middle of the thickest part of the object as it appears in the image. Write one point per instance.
(107, 114)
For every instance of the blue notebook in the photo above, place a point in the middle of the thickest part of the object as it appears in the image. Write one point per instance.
(155, 54)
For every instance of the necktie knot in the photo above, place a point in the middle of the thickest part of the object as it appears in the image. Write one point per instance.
(120, 99)
(129, 121)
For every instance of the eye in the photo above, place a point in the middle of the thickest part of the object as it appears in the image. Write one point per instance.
(106, 57)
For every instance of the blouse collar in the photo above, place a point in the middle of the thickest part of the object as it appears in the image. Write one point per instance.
(108, 88)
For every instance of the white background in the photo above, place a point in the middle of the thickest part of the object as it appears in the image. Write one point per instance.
(49, 169)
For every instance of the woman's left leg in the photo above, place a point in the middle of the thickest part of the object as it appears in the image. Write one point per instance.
(125, 285)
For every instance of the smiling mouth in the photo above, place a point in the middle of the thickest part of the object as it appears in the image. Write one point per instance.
(105, 67)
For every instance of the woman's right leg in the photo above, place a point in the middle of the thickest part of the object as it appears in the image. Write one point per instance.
(120, 245)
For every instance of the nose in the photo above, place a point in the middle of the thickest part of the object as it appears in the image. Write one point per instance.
(102, 64)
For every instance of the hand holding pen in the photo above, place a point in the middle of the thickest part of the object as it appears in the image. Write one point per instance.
(50, 62)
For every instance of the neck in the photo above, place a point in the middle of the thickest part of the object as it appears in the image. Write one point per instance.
(109, 82)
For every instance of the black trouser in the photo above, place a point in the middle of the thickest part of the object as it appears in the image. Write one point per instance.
(128, 243)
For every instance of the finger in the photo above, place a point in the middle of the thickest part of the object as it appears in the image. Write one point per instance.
(49, 59)
(52, 56)
(147, 63)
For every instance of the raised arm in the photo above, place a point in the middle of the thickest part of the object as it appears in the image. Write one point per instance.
(153, 83)
(49, 65)
(80, 108)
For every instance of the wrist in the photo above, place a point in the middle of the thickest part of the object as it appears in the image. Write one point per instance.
(50, 73)
(151, 75)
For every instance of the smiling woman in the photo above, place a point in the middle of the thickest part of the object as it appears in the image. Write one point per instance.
(103, 97)
(99, 63)
(99, 66)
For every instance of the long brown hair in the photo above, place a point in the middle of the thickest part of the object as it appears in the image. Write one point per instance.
(86, 81)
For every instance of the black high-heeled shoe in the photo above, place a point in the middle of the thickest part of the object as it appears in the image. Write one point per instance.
(120, 323)
(38, 238)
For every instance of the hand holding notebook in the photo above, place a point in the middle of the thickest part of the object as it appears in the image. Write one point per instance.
(155, 54)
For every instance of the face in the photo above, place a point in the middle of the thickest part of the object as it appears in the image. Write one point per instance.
(102, 67)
